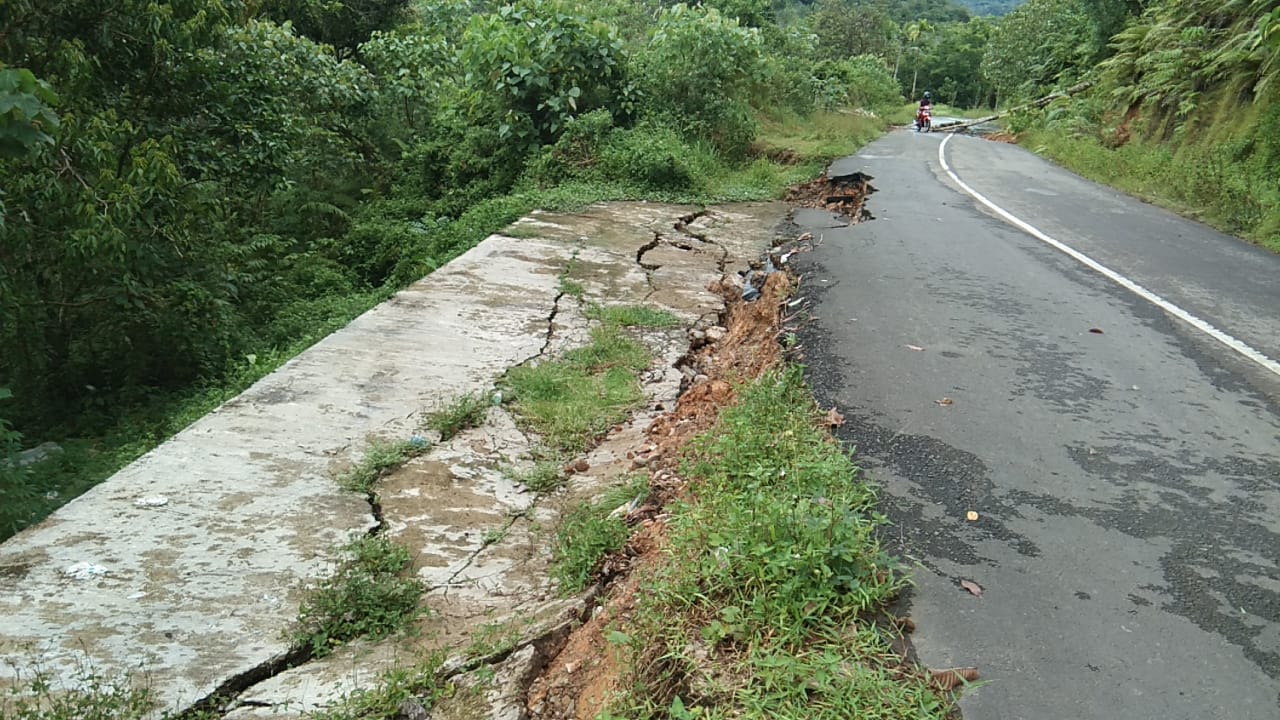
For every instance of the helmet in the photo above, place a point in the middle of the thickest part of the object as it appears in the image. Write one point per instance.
(927, 95)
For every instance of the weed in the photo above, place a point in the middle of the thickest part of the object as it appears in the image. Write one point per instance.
(775, 562)
(544, 476)
(93, 697)
(367, 596)
(522, 231)
(378, 458)
(493, 638)
(465, 412)
(632, 316)
(588, 533)
(419, 682)
(572, 401)
(572, 288)
(565, 282)
(493, 536)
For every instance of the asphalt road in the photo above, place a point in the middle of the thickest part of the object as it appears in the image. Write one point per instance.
(1127, 481)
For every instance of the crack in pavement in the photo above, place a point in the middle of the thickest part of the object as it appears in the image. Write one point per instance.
(471, 557)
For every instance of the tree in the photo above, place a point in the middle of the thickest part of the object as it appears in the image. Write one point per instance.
(697, 71)
(848, 28)
(1038, 45)
(344, 24)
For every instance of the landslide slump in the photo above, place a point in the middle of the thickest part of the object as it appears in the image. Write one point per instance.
(745, 585)
(845, 194)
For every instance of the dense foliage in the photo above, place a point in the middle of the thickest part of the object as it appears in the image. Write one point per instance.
(1183, 106)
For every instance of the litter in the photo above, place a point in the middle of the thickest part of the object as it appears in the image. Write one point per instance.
(84, 571)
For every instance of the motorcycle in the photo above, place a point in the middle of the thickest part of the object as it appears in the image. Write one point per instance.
(924, 119)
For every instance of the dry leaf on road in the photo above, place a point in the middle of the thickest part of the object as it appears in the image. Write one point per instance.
(1096, 331)
(834, 418)
(974, 588)
(945, 401)
(953, 677)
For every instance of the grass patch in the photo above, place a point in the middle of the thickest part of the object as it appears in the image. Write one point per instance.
(572, 401)
(775, 568)
(819, 139)
(94, 697)
(632, 316)
(378, 458)
(493, 638)
(544, 476)
(588, 533)
(420, 682)
(368, 596)
(467, 411)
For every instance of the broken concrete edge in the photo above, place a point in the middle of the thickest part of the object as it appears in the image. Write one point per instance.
(534, 650)
(667, 285)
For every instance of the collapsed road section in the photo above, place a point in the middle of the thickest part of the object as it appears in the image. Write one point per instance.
(186, 570)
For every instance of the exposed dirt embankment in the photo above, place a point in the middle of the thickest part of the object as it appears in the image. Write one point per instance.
(580, 680)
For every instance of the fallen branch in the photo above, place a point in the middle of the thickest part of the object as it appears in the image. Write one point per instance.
(1038, 103)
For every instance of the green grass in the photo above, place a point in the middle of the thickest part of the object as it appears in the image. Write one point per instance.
(544, 476)
(379, 457)
(588, 533)
(367, 596)
(819, 139)
(632, 316)
(96, 697)
(467, 411)
(494, 638)
(775, 569)
(419, 681)
(572, 401)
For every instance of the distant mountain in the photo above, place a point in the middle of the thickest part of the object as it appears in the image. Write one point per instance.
(990, 7)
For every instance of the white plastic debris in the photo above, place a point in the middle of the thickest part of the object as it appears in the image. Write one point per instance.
(151, 501)
(84, 571)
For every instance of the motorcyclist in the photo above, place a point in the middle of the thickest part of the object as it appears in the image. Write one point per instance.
(926, 106)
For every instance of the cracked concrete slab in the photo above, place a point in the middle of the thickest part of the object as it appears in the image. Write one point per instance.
(191, 562)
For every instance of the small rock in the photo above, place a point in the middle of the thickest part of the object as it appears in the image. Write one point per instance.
(716, 333)
(581, 466)
(411, 709)
(699, 379)
(570, 667)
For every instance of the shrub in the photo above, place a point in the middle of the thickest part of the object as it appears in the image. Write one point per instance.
(650, 155)
(697, 71)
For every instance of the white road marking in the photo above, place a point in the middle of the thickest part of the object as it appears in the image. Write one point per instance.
(1203, 326)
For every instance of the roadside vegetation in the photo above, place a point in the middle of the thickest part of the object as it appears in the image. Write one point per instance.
(368, 595)
(765, 604)
(1183, 109)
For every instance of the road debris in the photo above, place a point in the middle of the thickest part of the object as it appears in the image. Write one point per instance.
(974, 588)
(952, 678)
